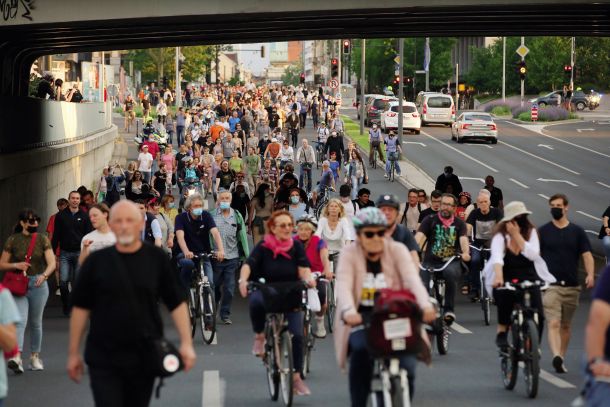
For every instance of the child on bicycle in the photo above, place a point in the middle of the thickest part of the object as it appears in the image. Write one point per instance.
(392, 150)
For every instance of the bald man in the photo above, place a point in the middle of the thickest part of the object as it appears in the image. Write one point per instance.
(118, 290)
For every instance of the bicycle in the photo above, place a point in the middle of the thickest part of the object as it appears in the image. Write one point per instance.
(374, 166)
(322, 200)
(392, 157)
(331, 301)
(320, 155)
(201, 301)
(440, 329)
(306, 176)
(277, 356)
(484, 299)
(523, 341)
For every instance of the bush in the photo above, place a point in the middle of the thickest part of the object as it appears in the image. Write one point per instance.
(501, 110)
(547, 114)
(524, 116)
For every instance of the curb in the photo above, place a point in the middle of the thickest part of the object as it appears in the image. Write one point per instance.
(549, 123)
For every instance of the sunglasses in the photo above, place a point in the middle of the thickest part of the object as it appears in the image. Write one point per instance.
(284, 225)
(369, 234)
(32, 221)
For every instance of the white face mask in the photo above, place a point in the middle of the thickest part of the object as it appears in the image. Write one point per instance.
(125, 240)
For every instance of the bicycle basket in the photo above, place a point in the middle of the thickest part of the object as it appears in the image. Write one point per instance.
(283, 297)
(395, 324)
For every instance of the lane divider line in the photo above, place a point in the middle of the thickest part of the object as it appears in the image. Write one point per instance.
(602, 184)
(556, 381)
(589, 216)
(460, 329)
(519, 183)
(211, 389)
(543, 196)
(592, 232)
(539, 158)
(461, 152)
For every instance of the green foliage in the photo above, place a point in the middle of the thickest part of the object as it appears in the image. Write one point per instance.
(154, 63)
(501, 111)
(353, 131)
(292, 73)
(196, 60)
(525, 116)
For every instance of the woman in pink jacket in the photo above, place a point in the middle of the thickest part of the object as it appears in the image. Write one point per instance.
(371, 263)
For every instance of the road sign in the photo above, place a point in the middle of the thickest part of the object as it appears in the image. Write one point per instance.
(333, 83)
(522, 51)
(397, 59)
(534, 113)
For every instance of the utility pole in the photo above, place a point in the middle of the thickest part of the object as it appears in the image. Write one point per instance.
(401, 51)
(178, 84)
(522, 80)
(427, 67)
(101, 75)
(457, 86)
(339, 56)
(504, 69)
(362, 83)
(572, 56)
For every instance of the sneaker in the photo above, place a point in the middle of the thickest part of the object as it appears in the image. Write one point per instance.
(57, 292)
(16, 364)
(36, 363)
(385, 175)
(502, 340)
(258, 349)
(319, 330)
(299, 387)
(449, 317)
(558, 365)
(227, 321)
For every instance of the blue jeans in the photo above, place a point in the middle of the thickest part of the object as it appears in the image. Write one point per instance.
(170, 137)
(295, 326)
(68, 266)
(180, 135)
(392, 157)
(224, 275)
(31, 307)
(302, 174)
(186, 267)
(606, 244)
(476, 264)
(356, 182)
(452, 276)
(361, 369)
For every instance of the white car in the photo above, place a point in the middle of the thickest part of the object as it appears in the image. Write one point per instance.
(474, 126)
(411, 119)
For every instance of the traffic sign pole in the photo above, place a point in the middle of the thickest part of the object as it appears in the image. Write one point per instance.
(523, 80)
(401, 51)
(362, 81)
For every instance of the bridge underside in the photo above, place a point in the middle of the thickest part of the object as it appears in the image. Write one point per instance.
(20, 45)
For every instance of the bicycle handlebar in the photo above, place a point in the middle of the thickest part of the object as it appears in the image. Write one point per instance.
(443, 267)
(480, 249)
(204, 255)
(523, 285)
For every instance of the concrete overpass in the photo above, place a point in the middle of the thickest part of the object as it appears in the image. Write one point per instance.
(47, 148)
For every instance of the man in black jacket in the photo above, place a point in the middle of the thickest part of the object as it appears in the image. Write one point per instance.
(335, 144)
(448, 182)
(71, 225)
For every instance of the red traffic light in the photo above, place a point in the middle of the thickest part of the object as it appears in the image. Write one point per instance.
(334, 61)
(567, 68)
(347, 47)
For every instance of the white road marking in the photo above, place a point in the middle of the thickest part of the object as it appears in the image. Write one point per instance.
(215, 340)
(589, 216)
(474, 179)
(592, 232)
(563, 141)
(546, 146)
(543, 196)
(460, 329)
(481, 145)
(557, 180)
(556, 381)
(602, 184)
(540, 158)
(211, 396)
(461, 152)
(414, 142)
(581, 130)
(519, 183)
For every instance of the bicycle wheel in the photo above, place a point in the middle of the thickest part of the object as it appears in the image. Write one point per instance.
(392, 171)
(485, 303)
(374, 158)
(285, 367)
(193, 307)
(442, 339)
(509, 363)
(331, 305)
(308, 342)
(273, 375)
(397, 391)
(207, 318)
(531, 356)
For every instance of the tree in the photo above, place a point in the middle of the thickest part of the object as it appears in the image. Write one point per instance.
(154, 63)
(292, 73)
(196, 59)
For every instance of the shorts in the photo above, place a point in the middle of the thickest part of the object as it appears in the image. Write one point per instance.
(560, 303)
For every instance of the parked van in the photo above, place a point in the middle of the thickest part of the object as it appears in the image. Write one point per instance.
(435, 108)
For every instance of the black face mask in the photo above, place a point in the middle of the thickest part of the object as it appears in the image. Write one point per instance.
(557, 213)
(32, 229)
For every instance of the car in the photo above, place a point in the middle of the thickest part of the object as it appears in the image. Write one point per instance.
(411, 119)
(374, 108)
(580, 100)
(435, 107)
(367, 99)
(474, 126)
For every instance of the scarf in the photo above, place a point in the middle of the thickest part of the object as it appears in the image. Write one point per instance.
(278, 246)
(446, 222)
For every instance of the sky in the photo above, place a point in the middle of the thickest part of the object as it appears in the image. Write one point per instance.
(250, 56)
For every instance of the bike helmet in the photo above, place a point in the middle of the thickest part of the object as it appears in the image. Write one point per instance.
(369, 217)
(308, 219)
(388, 200)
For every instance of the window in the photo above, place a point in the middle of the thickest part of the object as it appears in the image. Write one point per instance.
(405, 109)
(439, 102)
(477, 118)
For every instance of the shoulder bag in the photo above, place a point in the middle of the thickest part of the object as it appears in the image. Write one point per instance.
(16, 281)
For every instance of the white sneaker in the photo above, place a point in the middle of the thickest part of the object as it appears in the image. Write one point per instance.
(319, 330)
(15, 364)
(36, 363)
(385, 175)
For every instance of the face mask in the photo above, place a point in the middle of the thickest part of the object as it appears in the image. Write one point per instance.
(225, 205)
(172, 205)
(294, 199)
(557, 213)
(197, 211)
(125, 240)
(32, 229)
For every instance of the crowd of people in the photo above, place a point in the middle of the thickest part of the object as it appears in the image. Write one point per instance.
(240, 147)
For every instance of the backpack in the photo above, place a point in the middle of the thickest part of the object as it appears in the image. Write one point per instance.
(404, 214)
(148, 234)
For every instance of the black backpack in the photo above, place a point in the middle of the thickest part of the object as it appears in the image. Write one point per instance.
(148, 233)
(404, 214)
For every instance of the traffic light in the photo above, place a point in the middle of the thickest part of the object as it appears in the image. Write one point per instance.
(302, 78)
(396, 79)
(262, 51)
(408, 79)
(334, 68)
(522, 69)
(567, 69)
(347, 47)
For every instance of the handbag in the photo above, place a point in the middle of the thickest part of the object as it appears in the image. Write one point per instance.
(163, 357)
(395, 324)
(17, 281)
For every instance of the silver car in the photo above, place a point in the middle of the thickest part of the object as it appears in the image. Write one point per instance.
(474, 126)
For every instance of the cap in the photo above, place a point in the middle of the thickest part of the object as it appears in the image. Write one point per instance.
(387, 200)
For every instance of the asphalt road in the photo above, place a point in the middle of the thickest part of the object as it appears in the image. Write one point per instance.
(228, 375)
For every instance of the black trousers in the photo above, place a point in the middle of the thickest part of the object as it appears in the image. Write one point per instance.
(121, 387)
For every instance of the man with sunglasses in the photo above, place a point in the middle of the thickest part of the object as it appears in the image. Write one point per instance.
(445, 236)
(71, 225)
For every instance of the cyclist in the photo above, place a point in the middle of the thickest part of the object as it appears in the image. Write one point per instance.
(374, 143)
(327, 180)
(514, 248)
(334, 144)
(392, 149)
(390, 206)
(278, 258)
(322, 136)
(193, 229)
(337, 124)
(317, 254)
(445, 235)
(372, 262)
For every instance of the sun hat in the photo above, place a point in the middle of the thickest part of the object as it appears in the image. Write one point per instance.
(514, 209)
